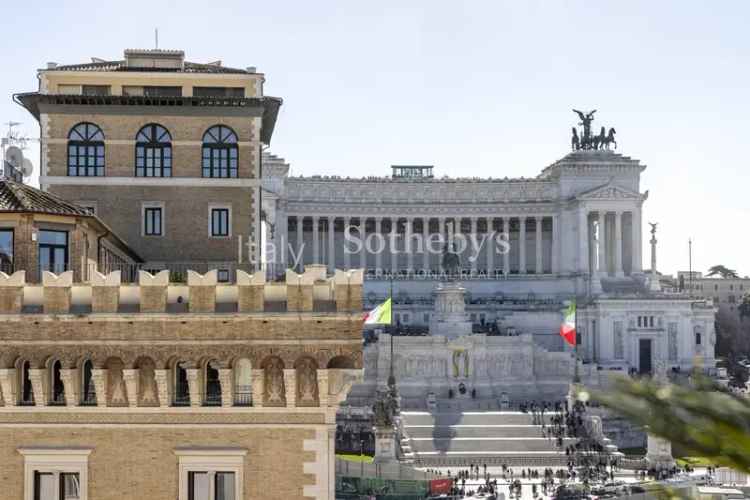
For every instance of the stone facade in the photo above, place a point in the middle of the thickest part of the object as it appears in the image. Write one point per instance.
(148, 371)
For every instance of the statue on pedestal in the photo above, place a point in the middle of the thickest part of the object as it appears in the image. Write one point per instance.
(451, 261)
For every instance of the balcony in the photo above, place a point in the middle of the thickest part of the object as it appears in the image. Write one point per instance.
(243, 395)
(88, 398)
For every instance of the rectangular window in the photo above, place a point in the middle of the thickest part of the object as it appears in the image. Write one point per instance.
(95, 90)
(151, 91)
(219, 222)
(55, 473)
(651, 321)
(53, 251)
(6, 251)
(640, 321)
(210, 474)
(222, 276)
(152, 221)
(218, 92)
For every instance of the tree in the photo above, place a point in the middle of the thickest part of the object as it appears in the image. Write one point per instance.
(722, 271)
(702, 419)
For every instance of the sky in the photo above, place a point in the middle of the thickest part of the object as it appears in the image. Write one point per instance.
(474, 88)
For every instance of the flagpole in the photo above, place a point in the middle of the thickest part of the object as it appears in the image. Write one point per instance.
(576, 376)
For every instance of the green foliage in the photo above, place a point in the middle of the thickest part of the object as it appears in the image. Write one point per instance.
(722, 271)
(702, 420)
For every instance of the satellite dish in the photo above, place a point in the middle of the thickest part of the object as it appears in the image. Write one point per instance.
(27, 168)
(14, 156)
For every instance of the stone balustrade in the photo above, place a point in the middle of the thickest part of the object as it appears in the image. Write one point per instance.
(311, 291)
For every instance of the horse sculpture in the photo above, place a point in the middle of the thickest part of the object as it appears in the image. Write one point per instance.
(608, 139)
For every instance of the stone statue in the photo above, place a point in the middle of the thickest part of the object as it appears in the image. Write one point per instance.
(586, 119)
(307, 383)
(384, 409)
(451, 261)
(575, 142)
(653, 227)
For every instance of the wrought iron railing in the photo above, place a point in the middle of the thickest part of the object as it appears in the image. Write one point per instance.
(88, 398)
(181, 395)
(243, 395)
(57, 398)
(212, 396)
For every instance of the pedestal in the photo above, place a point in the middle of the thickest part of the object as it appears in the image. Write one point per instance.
(385, 445)
(659, 453)
(449, 319)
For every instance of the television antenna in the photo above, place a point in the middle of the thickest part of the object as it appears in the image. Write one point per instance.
(15, 165)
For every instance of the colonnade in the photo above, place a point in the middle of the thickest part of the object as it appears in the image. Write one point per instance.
(612, 244)
(415, 243)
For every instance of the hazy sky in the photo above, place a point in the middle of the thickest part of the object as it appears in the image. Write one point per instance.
(475, 88)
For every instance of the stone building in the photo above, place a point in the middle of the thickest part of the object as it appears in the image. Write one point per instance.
(572, 232)
(162, 149)
(140, 355)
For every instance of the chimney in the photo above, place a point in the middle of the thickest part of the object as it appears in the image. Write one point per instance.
(51, 65)
(251, 69)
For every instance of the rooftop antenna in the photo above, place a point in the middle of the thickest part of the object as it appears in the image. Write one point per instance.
(156, 38)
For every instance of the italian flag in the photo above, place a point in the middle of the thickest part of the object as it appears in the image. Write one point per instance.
(381, 315)
(568, 328)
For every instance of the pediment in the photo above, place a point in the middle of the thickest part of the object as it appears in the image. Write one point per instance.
(610, 191)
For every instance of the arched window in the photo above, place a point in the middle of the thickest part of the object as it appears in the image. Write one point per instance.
(57, 393)
(243, 388)
(181, 387)
(213, 385)
(86, 150)
(27, 390)
(220, 152)
(88, 391)
(153, 152)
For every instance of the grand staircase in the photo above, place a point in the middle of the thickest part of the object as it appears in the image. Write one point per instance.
(495, 438)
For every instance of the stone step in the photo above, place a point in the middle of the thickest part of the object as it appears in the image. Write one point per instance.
(469, 418)
(522, 445)
(474, 431)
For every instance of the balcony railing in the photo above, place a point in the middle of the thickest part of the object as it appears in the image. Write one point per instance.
(212, 396)
(181, 395)
(243, 395)
(57, 399)
(88, 398)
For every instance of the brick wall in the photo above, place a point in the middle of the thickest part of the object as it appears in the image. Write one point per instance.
(120, 132)
(139, 462)
(185, 219)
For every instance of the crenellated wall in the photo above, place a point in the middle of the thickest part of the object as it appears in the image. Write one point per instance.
(311, 291)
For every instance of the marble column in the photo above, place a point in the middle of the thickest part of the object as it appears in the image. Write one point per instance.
(522, 245)
(441, 232)
(347, 255)
(470, 247)
(583, 240)
(555, 244)
(538, 265)
(315, 240)
(489, 243)
(300, 250)
(331, 244)
(282, 229)
(70, 385)
(618, 245)
(37, 377)
(425, 244)
(409, 244)
(258, 382)
(162, 387)
(99, 377)
(194, 389)
(379, 251)
(394, 244)
(225, 379)
(8, 382)
(290, 387)
(602, 240)
(506, 255)
(363, 237)
(637, 263)
(130, 378)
